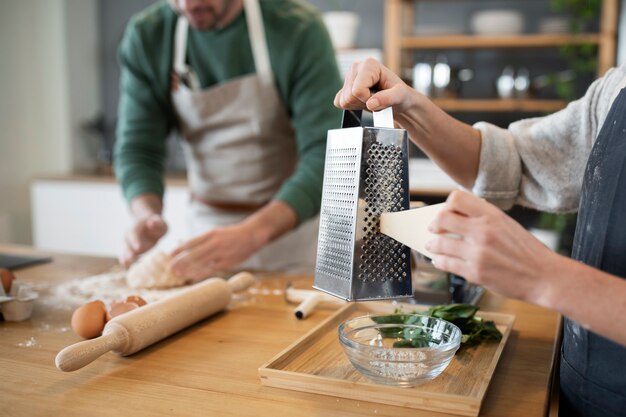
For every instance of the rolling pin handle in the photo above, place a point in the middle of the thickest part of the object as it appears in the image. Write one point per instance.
(83, 353)
(240, 281)
(307, 306)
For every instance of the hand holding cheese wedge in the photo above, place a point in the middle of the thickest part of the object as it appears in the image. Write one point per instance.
(474, 239)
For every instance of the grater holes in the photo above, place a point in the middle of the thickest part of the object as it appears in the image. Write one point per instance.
(382, 258)
(337, 216)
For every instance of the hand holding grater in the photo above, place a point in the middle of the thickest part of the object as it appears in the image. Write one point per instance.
(365, 175)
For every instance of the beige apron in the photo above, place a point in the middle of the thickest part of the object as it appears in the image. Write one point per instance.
(239, 147)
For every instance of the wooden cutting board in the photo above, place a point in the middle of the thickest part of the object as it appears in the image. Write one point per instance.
(316, 363)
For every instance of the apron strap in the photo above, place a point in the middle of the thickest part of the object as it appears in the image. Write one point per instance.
(180, 45)
(258, 41)
(256, 33)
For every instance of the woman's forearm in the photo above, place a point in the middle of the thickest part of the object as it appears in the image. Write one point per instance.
(593, 298)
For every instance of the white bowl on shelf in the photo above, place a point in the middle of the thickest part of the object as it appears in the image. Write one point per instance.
(497, 22)
(342, 28)
(554, 25)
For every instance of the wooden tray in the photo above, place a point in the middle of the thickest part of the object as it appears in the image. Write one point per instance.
(316, 363)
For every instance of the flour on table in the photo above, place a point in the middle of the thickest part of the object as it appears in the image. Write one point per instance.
(108, 287)
(151, 271)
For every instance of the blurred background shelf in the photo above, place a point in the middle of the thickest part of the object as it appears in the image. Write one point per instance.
(500, 41)
(426, 33)
(400, 38)
(499, 105)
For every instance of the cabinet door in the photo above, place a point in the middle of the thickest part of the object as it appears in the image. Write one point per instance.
(91, 218)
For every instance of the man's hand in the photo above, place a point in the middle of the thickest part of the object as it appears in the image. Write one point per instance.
(213, 251)
(495, 250)
(142, 237)
(225, 247)
(149, 227)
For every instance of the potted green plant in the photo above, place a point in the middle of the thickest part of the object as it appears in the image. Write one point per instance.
(581, 59)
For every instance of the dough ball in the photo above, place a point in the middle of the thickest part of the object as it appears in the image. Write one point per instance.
(151, 271)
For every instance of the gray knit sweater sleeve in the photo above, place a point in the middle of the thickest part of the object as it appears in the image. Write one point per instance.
(540, 162)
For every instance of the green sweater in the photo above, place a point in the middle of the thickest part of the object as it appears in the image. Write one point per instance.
(305, 73)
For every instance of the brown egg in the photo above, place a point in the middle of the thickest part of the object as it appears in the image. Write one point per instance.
(89, 320)
(120, 308)
(7, 277)
(137, 300)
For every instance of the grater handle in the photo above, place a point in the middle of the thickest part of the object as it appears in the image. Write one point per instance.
(351, 118)
(382, 118)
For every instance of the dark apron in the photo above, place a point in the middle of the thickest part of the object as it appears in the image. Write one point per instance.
(593, 369)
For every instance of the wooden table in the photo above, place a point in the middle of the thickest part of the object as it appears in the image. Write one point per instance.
(210, 369)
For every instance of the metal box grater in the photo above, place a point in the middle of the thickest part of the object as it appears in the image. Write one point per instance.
(365, 174)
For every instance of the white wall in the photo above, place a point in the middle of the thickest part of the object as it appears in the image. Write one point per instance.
(83, 55)
(49, 83)
(91, 218)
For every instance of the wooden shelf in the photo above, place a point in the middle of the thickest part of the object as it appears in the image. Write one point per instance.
(400, 48)
(500, 105)
(508, 41)
(400, 20)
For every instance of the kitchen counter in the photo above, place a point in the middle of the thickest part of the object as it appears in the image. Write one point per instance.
(211, 368)
(66, 208)
(171, 179)
(425, 178)
(67, 211)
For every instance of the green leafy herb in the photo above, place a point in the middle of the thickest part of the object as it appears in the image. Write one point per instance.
(412, 343)
(475, 330)
(391, 332)
(452, 312)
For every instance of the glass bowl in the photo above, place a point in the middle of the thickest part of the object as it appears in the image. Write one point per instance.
(377, 347)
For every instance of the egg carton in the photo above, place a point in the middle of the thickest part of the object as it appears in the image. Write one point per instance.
(18, 304)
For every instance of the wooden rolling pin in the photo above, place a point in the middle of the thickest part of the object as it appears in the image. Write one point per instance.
(139, 328)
